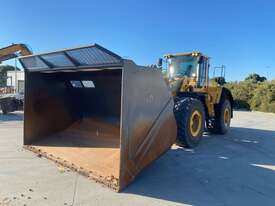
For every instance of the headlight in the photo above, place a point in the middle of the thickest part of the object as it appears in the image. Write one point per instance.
(171, 71)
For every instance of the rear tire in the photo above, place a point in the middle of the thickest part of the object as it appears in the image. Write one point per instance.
(3, 108)
(221, 123)
(190, 117)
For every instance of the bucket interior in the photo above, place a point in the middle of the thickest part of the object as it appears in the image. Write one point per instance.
(75, 118)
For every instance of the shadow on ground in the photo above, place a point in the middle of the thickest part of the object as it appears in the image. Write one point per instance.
(16, 116)
(235, 169)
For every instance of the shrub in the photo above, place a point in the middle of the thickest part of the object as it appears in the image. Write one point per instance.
(253, 95)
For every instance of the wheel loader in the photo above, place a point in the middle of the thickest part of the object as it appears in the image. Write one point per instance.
(198, 103)
(106, 117)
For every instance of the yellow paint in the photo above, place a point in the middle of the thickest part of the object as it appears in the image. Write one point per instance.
(269, 167)
(190, 84)
(14, 48)
(195, 124)
(226, 117)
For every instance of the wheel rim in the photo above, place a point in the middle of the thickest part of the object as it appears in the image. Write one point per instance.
(195, 123)
(226, 117)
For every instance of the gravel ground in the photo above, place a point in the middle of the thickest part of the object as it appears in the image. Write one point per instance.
(235, 169)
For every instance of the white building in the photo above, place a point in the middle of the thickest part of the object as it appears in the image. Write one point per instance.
(12, 79)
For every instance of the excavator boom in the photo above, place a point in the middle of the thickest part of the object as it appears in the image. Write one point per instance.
(13, 51)
(12, 102)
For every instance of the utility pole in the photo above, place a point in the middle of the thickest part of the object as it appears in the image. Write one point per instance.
(15, 78)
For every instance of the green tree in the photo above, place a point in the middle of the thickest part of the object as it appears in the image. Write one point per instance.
(255, 78)
(253, 95)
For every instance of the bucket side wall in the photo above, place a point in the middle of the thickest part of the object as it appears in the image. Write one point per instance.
(148, 124)
(45, 109)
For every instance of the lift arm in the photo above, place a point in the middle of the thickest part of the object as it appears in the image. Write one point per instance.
(13, 51)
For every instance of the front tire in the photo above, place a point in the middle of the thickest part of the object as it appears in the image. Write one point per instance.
(190, 117)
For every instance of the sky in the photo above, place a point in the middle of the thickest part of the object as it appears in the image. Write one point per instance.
(234, 33)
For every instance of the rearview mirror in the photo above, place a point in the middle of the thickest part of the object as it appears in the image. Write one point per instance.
(160, 63)
(200, 60)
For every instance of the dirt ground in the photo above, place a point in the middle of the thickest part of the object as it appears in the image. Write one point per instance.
(235, 169)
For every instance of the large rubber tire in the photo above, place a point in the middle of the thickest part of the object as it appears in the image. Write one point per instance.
(3, 108)
(221, 123)
(184, 110)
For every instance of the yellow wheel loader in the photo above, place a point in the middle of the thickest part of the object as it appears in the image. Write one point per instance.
(104, 116)
(197, 101)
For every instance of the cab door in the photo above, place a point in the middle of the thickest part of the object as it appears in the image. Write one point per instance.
(203, 72)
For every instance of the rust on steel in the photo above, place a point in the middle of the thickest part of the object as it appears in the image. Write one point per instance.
(108, 131)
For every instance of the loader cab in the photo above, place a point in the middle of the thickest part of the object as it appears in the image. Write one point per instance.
(192, 66)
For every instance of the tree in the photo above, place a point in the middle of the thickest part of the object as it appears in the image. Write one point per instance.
(256, 96)
(255, 78)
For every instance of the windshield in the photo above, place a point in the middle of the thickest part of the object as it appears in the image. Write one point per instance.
(182, 66)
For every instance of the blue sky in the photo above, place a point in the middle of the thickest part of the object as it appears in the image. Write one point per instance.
(238, 34)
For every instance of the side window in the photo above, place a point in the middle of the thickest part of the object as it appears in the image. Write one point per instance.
(88, 84)
(202, 73)
(82, 84)
(76, 84)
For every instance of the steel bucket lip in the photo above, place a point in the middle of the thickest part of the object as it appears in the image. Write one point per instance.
(109, 181)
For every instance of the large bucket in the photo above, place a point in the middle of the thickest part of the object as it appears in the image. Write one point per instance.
(107, 122)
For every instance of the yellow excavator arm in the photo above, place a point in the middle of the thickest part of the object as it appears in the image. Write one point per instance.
(13, 51)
